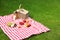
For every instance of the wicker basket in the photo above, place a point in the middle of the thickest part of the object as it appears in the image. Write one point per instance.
(20, 13)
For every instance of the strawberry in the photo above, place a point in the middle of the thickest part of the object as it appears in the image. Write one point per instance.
(21, 23)
(19, 27)
(28, 25)
(24, 21)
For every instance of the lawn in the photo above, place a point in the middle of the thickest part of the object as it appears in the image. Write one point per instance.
(46, 12)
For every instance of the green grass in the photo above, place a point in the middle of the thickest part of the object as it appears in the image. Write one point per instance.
(46, 12)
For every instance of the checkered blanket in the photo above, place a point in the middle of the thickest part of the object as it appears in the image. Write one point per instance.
(23, 32)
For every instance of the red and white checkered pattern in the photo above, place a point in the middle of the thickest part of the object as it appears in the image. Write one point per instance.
(23, 32)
